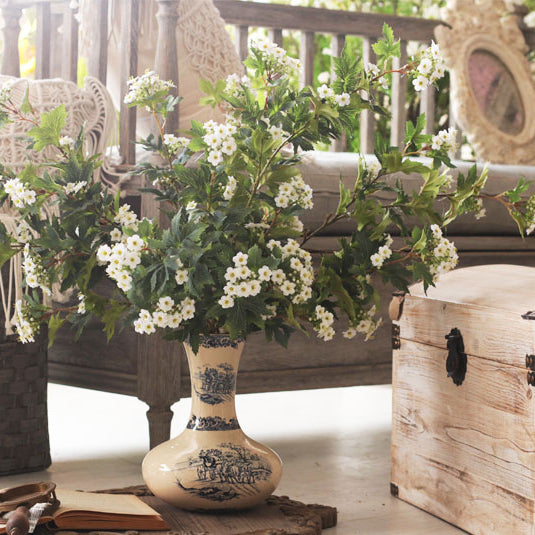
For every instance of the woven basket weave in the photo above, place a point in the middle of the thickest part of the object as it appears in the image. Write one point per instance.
(24, 445)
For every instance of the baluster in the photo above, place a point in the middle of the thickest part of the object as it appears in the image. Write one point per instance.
(276, 36)
(427, 106)
(57, 40)
(166, 64)
(97, 64)
(367, 118)
(11, 30)
(129, 39)
(306, 54)
(399, 100)
(337, 46)
(42, 41)
(453, 123)
(70, 38)
(242, 38)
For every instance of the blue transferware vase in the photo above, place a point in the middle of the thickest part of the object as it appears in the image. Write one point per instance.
(213, 464)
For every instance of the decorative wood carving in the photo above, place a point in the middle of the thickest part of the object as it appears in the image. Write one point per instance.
(491, 83)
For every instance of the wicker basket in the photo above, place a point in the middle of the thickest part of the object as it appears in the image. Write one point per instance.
(24, 445)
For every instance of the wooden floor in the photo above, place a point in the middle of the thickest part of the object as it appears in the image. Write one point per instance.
(335, 444)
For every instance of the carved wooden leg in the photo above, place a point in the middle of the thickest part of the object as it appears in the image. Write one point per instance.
(159, 424)
(158, 382)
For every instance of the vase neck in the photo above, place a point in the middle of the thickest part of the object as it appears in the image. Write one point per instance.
(213, 372)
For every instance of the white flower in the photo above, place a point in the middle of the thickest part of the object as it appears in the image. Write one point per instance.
(160, 319)
(324, 91)
(278, 276)
(436, 230)
(350, 333)
(377, 260)
(191, 205)
(174, 143)
(420, 83)
(243, 289)
(66, 141)
(103, 253)
(181, 276)
(287, 287)
(166, 303)
(324, 77)
(226, 301)
(81, 304)
(240, 259)
(116, 235)
(230, 188)
(425, 66)
(75, 187)
(343, 100)
(276, 133)
(264, 273)
(372, 69)
(215, 157)
(134, 243)
(229, 147)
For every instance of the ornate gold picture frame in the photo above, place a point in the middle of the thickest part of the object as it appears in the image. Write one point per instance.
(492, 91)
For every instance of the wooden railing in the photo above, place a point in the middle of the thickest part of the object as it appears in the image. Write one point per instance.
(57, 52)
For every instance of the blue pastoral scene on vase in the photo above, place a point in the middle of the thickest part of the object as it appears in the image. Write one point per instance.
(212, 423)
(226, 472)
(216, 384)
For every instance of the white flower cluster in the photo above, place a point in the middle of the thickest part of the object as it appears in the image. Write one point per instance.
(220, 141)
(5, 91)
(430, 68)
(276, 56)
(373, 167)
(173, 143)
(24, 327)
(20, 195)
(447, 140)
(234, 84)
(294, 192)
(72, 188)
(145, 87)
(127, 218)
(323, 323)
(23, 232)
(327, 93)
(66, 141)
(445, 256)
(383, 254)
(167, 314)
(367, 325)
(122, 258)
(81, 304)
(230, 188)
(34, 272)
(297, 280)
(373, 71)
(530, 214)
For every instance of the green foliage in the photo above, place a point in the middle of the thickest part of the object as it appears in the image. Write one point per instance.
(49, 130)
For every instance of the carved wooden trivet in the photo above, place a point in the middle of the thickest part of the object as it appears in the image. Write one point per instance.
(278, 516)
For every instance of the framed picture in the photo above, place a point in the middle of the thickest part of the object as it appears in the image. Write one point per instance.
(492, 89)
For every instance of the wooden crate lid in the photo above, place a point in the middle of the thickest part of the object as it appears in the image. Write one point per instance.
(502, 286)
(485, 302)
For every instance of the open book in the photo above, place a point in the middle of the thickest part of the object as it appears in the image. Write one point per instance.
(88, 510)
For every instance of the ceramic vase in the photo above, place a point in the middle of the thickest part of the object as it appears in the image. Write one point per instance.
(213, 464)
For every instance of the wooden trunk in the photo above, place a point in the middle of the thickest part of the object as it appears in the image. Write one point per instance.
(467, 453)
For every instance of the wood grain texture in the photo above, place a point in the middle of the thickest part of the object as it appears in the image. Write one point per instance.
(399, 99)
(465, 454)
(70, 37)
(306, 54)
(324, 20)
(491, 333)
(241, 37)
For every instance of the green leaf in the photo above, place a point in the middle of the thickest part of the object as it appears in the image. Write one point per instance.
(25, 106)
(49, 130)
(54, 323)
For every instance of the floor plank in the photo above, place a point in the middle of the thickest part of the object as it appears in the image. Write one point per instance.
(335, 444)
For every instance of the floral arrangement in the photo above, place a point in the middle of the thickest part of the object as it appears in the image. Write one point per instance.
(233, 257)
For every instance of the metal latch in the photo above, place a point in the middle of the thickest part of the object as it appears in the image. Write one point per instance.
(457, 361)
(396, 340)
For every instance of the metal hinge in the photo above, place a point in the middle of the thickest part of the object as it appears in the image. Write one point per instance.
(529, 315)
(396, 340)
(394, 489)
